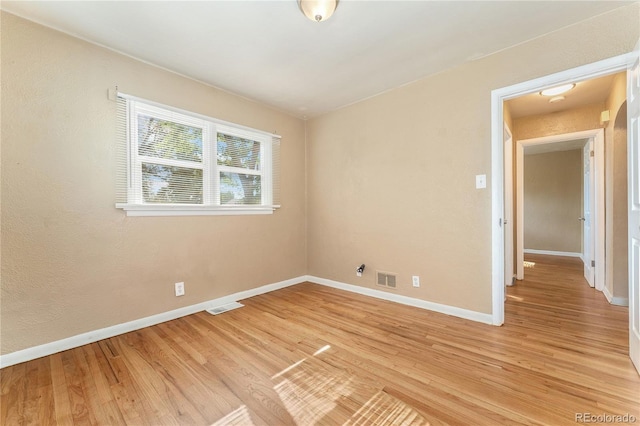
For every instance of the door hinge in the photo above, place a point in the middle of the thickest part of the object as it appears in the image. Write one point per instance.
(591, 154)
(593, 263)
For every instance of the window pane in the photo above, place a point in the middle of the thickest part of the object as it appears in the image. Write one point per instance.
(238, 152)
(237, 188)
(166, 184)
(169, 140)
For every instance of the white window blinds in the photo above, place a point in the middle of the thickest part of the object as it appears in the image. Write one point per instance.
(179, 161)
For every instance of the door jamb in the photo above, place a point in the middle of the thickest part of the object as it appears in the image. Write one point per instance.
(498, 96)
(509, 228)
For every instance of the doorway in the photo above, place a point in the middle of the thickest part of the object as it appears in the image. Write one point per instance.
(498, 97)
(592, 252)
(629, 63)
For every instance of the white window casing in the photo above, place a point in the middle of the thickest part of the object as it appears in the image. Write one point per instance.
(173, 162)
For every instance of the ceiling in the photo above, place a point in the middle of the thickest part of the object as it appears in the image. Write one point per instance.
(268, 51)
(554, 147)
(586, 92)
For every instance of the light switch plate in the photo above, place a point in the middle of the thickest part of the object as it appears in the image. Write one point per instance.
(481, 181)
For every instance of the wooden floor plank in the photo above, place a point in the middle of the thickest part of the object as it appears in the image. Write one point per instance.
(310, 354)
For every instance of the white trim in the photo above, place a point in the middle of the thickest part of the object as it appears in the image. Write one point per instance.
(618, 301)
(498, 293)
(554, 253)
(191, 210)
(498, 96)
(509, 252)
(519, 212)
(104, 333)
(405, 300)
(599, 219)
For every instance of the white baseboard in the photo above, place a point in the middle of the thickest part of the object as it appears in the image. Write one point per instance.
(405, 300)
(104, 333)
(554, 253)
(618, 301)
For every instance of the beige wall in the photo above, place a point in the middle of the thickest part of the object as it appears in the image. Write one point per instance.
(572, 120)
(71, 261)
(391, 180)
(553, 201)
(617, 281)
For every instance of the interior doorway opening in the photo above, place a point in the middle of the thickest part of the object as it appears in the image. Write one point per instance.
(499, 96)
(629, 63)
(586, 223)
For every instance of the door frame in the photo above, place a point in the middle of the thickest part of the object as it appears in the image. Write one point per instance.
(599, 212)
(508, 215)
(498, 96)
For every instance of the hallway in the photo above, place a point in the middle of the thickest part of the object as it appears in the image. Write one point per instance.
(580, 337)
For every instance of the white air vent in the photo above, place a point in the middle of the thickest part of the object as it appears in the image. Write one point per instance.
(224, 308)
(386, 279)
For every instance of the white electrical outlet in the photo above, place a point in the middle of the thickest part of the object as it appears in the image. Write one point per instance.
(416, 281)
(179, 289)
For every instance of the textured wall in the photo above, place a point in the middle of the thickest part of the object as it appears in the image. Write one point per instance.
(617, 277)
(553, 201)
(558, 123)
(71, 261)
(391, 179)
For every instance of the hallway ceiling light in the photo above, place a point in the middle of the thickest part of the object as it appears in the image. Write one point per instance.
(556, 99)
(558, 90)
(318, 10)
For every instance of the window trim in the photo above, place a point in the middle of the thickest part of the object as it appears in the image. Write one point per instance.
(209, 164)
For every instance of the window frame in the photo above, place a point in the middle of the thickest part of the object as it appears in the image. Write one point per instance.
(211, 170)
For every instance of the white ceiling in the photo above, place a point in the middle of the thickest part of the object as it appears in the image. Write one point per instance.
(268, 51)
(586, 92)
(554, 147)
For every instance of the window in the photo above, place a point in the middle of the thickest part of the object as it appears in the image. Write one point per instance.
(173, 162)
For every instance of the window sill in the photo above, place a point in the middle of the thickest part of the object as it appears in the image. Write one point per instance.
(192, 210)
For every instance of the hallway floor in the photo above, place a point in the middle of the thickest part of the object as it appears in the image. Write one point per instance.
(581, 338)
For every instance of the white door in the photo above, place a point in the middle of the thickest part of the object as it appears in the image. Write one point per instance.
(508, 208)
(588, 249)
(633, 150)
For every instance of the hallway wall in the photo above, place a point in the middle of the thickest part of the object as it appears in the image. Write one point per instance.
(553, 201)
(617, 280)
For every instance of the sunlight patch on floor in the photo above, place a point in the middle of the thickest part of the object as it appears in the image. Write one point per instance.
(516, 298)
(384, 409)
(315, 393)
(239, 416)
(529, 264)
(286, 370)
(322, 349)
(309, 393)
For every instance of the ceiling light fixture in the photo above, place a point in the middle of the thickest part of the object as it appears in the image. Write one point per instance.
(318, 10)
(554, 91)
(556, 99)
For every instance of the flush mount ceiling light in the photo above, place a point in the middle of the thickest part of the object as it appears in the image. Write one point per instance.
(556, 99)
(554, 91)
(318, 10)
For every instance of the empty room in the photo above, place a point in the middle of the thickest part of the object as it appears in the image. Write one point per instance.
(319, 212)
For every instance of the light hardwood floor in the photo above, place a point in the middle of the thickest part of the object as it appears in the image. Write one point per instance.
(309, 354)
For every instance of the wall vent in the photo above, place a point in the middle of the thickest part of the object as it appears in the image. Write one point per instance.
(224, 308)
(386, 279)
